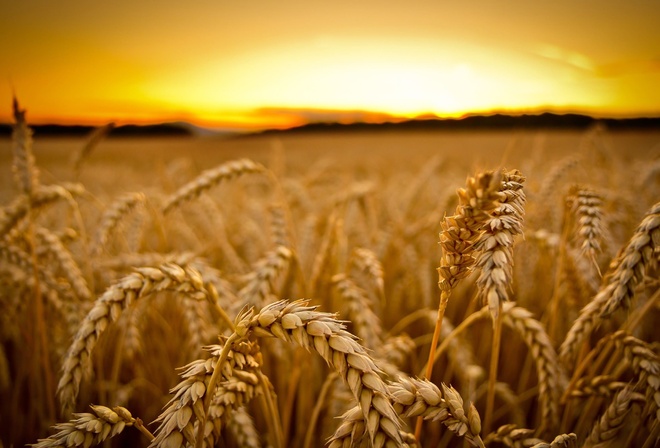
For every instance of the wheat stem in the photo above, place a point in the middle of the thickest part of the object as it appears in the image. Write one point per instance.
(210, 389)
(492, 374)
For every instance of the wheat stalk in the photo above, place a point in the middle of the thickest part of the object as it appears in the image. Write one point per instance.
(93, 140)
(495, 261)
(645, 363)
(209, 178)
(600, 385)
(359, 308)
(611, 422)
(111, 217)
(261, 282)
(512, 436)
(109, 306)
(586, 205)
(637, 257)
(185, 410)
(87, 429)
(298, 323)
(242, 428)
(14, 212)
(25, 169)
(65, 260)
(561, 441)
(459, 235)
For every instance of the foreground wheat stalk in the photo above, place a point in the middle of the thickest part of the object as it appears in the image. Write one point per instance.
(186, 409)
(108, 308)
(459, 235)
(298, 323)
(87, 429)
(495, 261)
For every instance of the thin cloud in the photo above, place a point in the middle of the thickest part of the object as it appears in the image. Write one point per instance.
(569, 57)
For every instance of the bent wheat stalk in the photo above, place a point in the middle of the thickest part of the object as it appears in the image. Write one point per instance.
(298, 323)
(87, 429)
(611, 422)
(209, 178)
(43, 195)
(111, 217)
(238, 385)
(637, 257)
(109, 307)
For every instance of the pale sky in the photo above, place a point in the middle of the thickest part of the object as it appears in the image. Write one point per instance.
(268, 63)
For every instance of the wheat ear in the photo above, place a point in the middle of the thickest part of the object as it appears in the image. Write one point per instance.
(93, 140)
(417, 398)
(561, 441)
(512, 436)
(209, 178)
(87, 429)
(360, 311)
(111, 217)
(639, 255)
(611, 422)
(459, 235)
(261, 282)
(242, 428)
(24, 167)
(551, 377)
(366, 260)
(586, 205)
(421, 398)
(495, 261)
(109, 306)
(298, 323)
(600, 385)
(66, 262)
(645, 363)
(13, 213)
(185, 410)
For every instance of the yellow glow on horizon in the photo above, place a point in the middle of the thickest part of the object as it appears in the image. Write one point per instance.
(278, 64)
(288, 84)
(401, 78)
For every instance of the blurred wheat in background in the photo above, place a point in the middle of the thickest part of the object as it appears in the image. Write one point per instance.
(264, 296)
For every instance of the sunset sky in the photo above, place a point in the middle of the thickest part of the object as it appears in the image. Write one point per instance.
(254, 64)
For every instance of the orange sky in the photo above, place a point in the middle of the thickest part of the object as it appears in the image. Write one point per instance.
(255, 64)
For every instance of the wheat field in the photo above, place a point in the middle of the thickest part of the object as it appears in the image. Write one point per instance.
(444, 289)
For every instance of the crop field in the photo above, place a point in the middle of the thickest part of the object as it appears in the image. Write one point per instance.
(441, 289)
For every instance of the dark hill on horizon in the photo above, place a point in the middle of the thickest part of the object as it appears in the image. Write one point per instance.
(474, 122)
(55, 130)
(482, 122)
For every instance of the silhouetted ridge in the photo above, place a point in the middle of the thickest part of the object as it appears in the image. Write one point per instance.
(473, 122)
(54, 130)
(487, 122)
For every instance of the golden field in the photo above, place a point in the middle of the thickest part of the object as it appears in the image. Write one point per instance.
(123, 261)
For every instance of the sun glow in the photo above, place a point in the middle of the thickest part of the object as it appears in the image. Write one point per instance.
(263, 64)
(402, 78)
